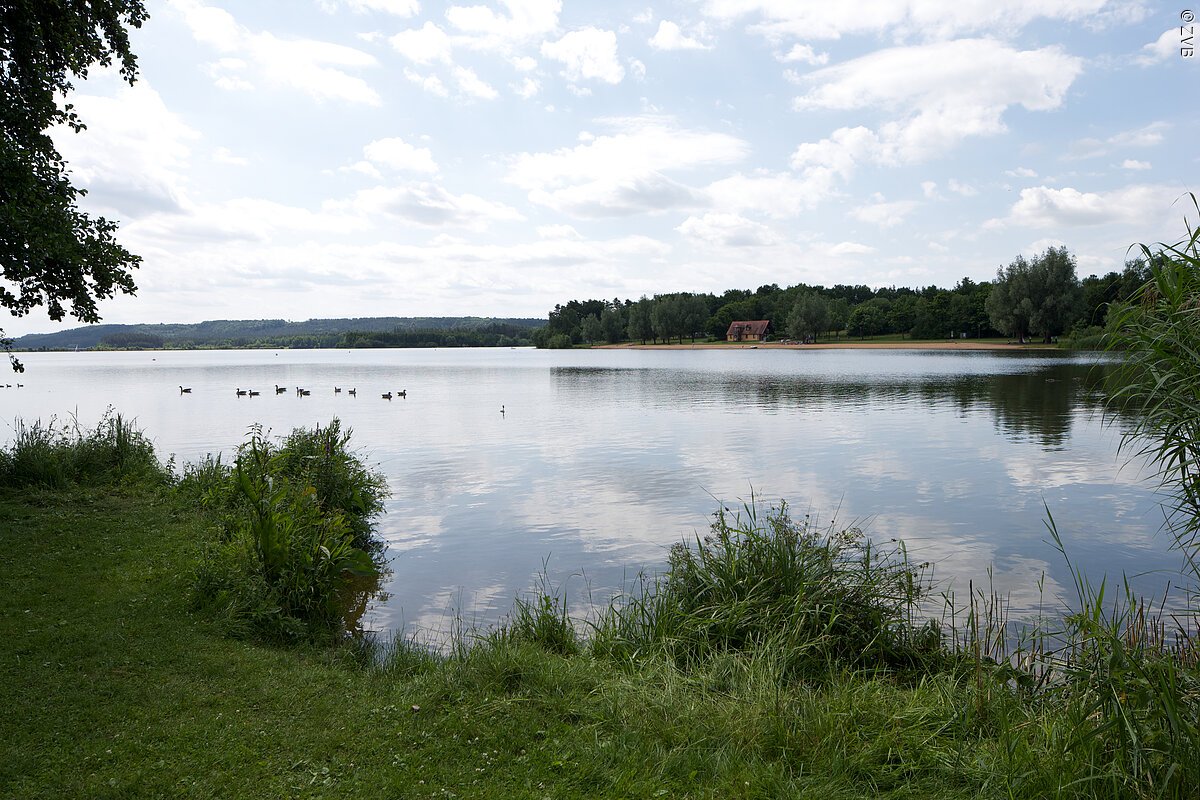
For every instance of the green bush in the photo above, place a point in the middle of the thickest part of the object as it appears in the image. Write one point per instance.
(295, 522)
(817, 600)
(55, 456)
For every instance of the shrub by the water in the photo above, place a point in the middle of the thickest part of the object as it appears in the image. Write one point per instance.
(817, 599)
(294, 524)
(57, 456)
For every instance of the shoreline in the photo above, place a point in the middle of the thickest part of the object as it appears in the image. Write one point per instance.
(843, 345)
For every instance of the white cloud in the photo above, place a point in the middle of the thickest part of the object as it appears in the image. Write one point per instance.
(363, 168)
(523, 63)
(929, 189)
(401, 8)
(1130, 163)
(134, 155)
(1044, 207)
(804, 54)
(223, 155)
(587, 54)
(527, 88)
(318, 69)
(1021, 172)
(424, 45)
(727, 230)
(1161, 49)
(398, 154)
(836, 157)
(963, 189)
(227, 74)
(885, 215)
(471, 84)
(558, 232)
(670, 36)
(430, 83)
(947, 91)
(429, 205)
(776, 195)
(525, 21)
(625, 172)
(850, 249)
(783, 19)
(1145, 136)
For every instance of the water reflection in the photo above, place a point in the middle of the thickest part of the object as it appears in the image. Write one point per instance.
(1037, 405)
(605, 459)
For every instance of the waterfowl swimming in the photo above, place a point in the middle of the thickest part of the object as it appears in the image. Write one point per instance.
(501, 409)
(386, 395)
(336, 390)
(182, 390)
(352, 391)
(303, 392)
(254, 393)
(241, 392)
(402, 393)
(280, 389)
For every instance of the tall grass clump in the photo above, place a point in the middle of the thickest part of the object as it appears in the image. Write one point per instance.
(56, 456)
(815, 599)
(1124, 675)
(294, 536)
(1158, 386)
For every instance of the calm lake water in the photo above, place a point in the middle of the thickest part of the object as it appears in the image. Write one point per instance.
(604, 459)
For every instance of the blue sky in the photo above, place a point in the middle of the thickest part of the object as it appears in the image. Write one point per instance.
(320, 158)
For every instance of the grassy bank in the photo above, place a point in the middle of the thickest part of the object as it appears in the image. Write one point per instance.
(115, 689)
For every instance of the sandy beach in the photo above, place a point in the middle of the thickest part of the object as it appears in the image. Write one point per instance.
(845, 344)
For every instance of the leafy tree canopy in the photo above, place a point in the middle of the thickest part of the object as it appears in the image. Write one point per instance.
(1039, 296)
(51, 253)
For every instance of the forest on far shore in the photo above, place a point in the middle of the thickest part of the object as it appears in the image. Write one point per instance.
(1041, 297)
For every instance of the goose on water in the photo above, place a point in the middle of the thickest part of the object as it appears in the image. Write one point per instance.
(386, 395)
(182, 390)
(402, 393)
(352, 391)
(280, 389)
(241, 392)
(336, 390)
(254, 393)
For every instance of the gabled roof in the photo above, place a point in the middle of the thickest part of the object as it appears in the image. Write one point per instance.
(755, 327)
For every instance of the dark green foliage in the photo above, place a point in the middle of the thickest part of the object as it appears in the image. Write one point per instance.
(1041, 296)
(809, 316)
(57, 456)
(51, 253)
(295, 532)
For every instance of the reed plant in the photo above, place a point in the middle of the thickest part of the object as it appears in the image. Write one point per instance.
(818, 599)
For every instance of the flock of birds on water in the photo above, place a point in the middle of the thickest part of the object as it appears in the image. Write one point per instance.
(240, 392)
(9, 386)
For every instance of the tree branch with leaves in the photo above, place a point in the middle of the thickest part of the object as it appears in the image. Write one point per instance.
(52, 254)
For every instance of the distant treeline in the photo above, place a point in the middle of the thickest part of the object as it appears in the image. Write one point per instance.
(1039, 297)
(281, 334)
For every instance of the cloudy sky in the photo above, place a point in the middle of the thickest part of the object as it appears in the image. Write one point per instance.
(320, 158)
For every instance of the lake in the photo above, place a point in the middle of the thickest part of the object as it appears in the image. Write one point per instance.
(603, 459)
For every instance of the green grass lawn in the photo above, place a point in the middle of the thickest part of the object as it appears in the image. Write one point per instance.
(111, 688)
